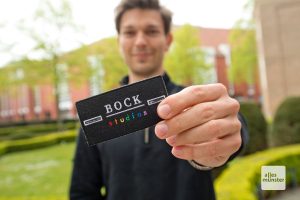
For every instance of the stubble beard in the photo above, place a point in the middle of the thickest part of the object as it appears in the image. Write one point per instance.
(145, 71)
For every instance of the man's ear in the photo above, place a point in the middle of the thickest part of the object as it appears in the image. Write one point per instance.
(169, 39)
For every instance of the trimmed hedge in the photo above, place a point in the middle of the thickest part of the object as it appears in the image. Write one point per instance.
(35, 198)
(242, 178)
(22, 132)
(37, 142)
(257, 127)
(33, 122)
(287, 121)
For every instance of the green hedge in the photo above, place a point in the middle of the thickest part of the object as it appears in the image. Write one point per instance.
(22, 132)
(37, 142)
(287, 121)
(241, 179)
(257, 127)
(35, 198)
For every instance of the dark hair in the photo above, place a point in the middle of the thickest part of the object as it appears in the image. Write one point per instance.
(126, 5)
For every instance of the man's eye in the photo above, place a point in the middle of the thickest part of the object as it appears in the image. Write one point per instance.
(152, 32)
(128, 33)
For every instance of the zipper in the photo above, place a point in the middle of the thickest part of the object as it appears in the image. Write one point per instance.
(146, 136)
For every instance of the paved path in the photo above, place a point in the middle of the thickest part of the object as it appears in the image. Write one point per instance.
(291, 194)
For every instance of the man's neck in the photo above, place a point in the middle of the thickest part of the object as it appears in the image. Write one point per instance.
(135, 77)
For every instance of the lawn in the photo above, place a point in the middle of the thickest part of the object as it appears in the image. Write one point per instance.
(37, 174)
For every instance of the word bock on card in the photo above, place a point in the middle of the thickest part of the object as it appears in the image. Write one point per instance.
(121, 111)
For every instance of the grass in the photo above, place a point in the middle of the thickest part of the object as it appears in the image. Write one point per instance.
(37, 174)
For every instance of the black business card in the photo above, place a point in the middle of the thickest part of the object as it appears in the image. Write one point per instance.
(121, 111)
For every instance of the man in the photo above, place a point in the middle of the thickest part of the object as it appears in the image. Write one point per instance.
(201, 127)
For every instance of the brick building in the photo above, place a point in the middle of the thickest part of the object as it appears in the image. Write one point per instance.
(38, 103)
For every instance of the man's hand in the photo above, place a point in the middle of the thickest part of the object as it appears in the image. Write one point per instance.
(201, 124)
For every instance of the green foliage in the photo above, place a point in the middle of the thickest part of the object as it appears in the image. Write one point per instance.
(40, 174)
(44, 197)
(3, 80)
(243, 53)
(185, 59)
(257, 127)
(36, 142)
(79, 70)
(241, 179)
(110, 61)
(52, 23)
(24, 72)
(2, 148)
(48, 30)
(286, 124)
(114, 66)
(28, 131)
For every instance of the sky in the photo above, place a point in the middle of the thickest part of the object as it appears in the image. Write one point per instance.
(97, 19)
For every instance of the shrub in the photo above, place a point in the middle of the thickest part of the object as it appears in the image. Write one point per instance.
(2, 148)
(37, 142)
(46, 197)
(242, 178)
(257, 127)
(28, 131)
(286, 124)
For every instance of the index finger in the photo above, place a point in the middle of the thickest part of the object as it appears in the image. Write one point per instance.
(176, 103)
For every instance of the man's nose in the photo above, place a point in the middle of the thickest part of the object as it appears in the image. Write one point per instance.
(140, 39)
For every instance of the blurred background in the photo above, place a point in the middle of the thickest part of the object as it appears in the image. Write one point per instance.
(56, 52)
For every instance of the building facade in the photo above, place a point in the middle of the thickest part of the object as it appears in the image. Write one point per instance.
(38, 103)
(278, 41)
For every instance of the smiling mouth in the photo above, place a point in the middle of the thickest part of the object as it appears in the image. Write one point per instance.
(142, 56)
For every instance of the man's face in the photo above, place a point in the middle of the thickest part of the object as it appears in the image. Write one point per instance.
(142, 41)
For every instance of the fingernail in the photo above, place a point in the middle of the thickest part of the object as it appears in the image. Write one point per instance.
(178, 151)
(171, 140)
(161, 130)
(164, 110)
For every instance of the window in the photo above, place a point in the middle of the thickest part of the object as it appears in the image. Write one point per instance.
(37, 100)
(97, 77)
(65, 102)
(23, 101)
(209, 58)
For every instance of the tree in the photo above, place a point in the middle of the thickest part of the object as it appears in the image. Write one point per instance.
(243, 53)
(51, 26)
(107, 54)
(185, 59)
(114, 66)
(244, 66)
